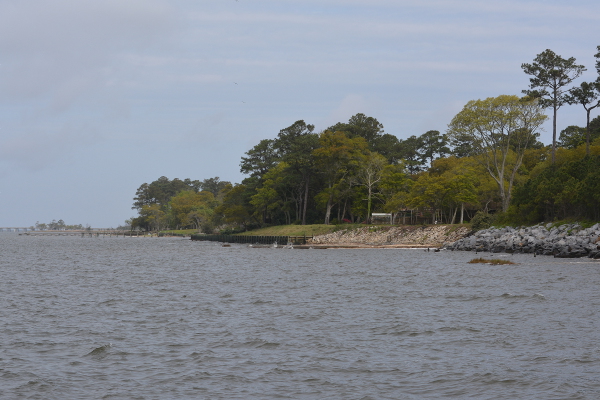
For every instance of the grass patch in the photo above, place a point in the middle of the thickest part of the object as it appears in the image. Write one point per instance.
(494, 261)
(291, 230)
(180, 231)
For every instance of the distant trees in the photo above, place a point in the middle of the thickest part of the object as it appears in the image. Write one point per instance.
(177, 203)
(55, 225)
(354, 168)
(161, 190)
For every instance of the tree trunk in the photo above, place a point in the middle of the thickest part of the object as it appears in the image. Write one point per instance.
(587, 130)
(369, 207)
(329, 206)
(554, 132)
(454, 216)
(462, 212)
(305, 201)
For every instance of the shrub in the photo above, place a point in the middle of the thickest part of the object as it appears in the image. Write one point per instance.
(482, 220)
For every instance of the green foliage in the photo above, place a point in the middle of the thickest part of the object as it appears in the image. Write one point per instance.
(58, 225)
(360, 125)
(235, 208)
(482, 220)
(569, 190)
(550, 74)
(500, 129)
(571, 137)
(260, 158)
(161, 190)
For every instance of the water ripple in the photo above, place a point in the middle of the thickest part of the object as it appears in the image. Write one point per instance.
(121, 318)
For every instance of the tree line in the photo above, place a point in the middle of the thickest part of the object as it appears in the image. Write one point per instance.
(59, 225)
(488, 160)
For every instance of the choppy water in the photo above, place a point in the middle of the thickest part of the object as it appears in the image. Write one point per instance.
(132, 318)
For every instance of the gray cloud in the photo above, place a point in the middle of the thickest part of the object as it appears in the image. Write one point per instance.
(65, 47)
(146, 87)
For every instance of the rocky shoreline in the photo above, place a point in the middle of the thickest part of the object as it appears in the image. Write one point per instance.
(397, 236)
(564, 241)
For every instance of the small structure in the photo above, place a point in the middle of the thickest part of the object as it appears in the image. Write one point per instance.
(382, 218)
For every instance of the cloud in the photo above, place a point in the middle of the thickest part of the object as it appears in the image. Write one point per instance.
(34, 148)
(63, 50)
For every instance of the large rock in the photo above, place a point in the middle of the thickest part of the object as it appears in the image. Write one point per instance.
(567, 241)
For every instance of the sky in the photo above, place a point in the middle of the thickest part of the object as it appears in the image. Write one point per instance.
(100, 96)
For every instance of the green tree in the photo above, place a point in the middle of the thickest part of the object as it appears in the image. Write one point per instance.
(369, 175)
(336, 157)
(501, 128)
(588, 95)
(428, 191)
(213, 185)
(235, 208)
(260, 158)
(568, 190)
(395, 185)
(388, 146)
(271, 197)
(571, 137)
(161, 190)
(410, 153)
(460, 178)
(362, 126)
(191, 208)
(295, 145)
(151, 217)
(433, 144)
(550, 74)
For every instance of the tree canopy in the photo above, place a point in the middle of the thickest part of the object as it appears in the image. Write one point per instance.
(550, 74)
(500, 130)
(488, 160)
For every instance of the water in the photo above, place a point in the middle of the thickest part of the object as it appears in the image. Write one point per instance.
(140, 318)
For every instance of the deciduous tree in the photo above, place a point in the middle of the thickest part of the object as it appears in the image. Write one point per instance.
(336, 157)
(501, 128)
(369, 175)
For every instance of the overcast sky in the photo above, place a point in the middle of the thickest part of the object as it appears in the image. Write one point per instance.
(100, 96)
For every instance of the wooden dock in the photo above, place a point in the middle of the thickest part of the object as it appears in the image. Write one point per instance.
(89, 233)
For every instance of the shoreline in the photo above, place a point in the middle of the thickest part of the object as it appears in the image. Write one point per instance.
(405, 236)
(562, 241)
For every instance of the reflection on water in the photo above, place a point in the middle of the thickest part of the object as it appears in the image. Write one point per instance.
(157, 318)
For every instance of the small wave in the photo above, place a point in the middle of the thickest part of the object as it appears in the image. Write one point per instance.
(261, 302)
(513, 296)
(268, 345)
(109, 302)
(100, 351)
